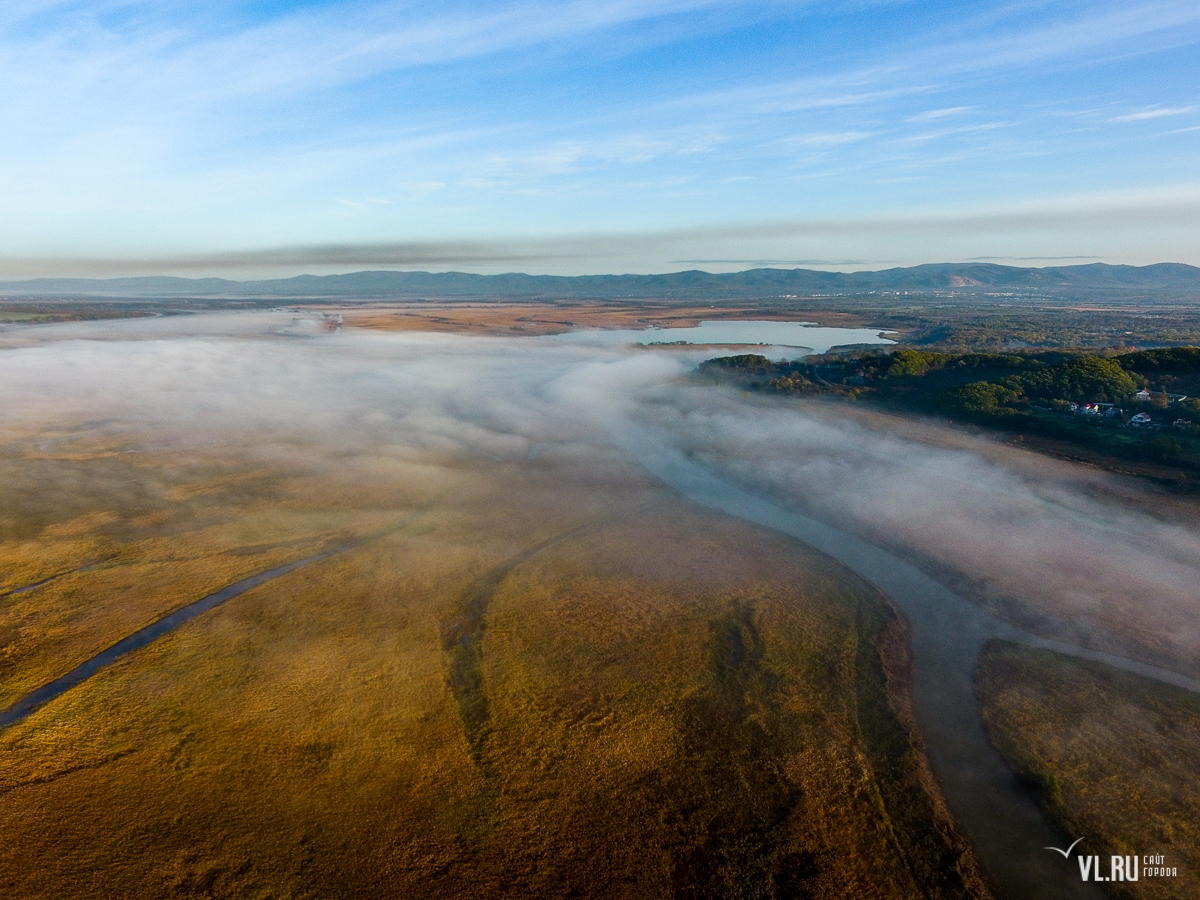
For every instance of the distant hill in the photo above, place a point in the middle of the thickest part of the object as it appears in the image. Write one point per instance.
(958, 277)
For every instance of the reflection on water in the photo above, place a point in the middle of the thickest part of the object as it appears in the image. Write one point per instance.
(774, 336)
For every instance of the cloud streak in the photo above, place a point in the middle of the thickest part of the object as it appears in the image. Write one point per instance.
(1154, 114)
(1177, 208)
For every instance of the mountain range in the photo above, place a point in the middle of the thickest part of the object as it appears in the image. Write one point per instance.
(694, 284)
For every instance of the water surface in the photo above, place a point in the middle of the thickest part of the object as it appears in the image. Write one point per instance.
(792, 339)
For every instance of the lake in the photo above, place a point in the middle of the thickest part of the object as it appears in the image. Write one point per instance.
(773, 339)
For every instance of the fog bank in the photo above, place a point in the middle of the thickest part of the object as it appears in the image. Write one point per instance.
(1036, 546)
(1030, 543)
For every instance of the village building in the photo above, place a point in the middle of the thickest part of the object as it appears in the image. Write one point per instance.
(1145, 396)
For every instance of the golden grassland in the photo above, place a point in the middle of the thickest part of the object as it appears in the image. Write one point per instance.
(1113, 756)
(532, 682)
(534, 318)
(114, 540)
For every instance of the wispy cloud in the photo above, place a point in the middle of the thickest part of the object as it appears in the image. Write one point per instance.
(830, 139)
(933, 114)
(347, 42)
(946, 132)
(1158, 113)
(1061, 33)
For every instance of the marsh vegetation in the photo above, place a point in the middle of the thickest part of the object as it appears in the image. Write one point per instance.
(533, 674)
(494, 699)
(1113, 757)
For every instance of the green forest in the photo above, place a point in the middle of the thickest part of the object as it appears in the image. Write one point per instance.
(1137, 407)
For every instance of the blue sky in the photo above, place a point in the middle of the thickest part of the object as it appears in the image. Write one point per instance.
(272, 137)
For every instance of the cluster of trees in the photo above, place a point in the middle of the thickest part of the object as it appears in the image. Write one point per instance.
(744, 361)
(1014, 391)
(973, 382)
(980, 382)
(1087, 379)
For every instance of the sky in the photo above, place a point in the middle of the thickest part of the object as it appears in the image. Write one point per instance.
(272, 138)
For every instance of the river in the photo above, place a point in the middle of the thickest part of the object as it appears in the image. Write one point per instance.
(1000, 817)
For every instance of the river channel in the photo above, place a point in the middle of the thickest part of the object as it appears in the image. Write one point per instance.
(999, 816)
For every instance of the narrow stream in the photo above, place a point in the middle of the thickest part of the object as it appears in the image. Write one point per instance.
(999, 816)
(36, 699)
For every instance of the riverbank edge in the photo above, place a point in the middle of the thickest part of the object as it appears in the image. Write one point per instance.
(895, 747)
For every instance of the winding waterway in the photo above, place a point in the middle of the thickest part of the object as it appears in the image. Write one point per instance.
(36, 699)
(998, 815)
(1007, 829)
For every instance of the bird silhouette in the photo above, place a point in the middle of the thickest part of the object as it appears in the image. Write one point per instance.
(1066, 853)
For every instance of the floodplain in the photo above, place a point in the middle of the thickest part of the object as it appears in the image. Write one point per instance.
(513, 661)
(531, 671)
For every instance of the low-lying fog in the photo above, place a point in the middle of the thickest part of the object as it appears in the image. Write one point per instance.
(1028, 538)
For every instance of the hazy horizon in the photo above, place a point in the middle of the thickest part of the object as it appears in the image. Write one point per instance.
(250, 278)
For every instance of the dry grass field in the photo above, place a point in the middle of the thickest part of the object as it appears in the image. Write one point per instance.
(99, 541)
(534, 318)
(1114, 757)
(533, 680)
